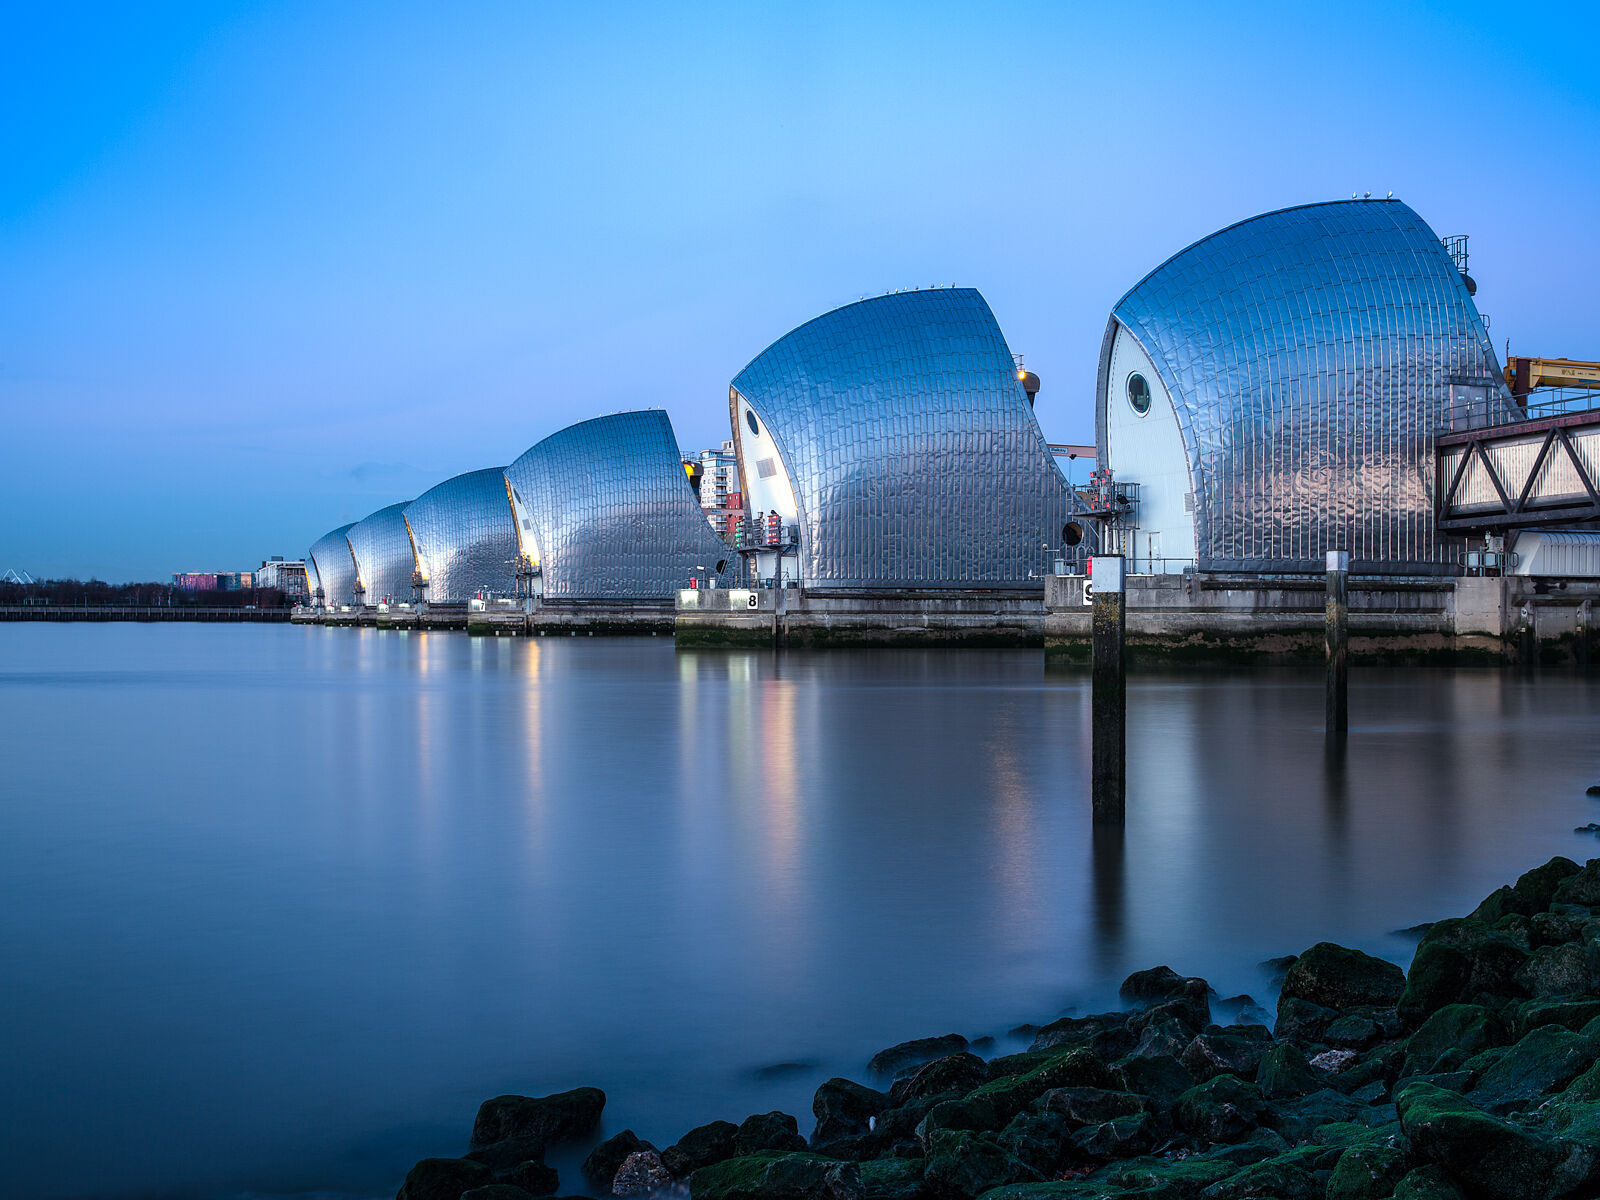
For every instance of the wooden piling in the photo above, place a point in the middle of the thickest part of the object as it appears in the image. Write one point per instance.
(1108, 788)
(1337, 620)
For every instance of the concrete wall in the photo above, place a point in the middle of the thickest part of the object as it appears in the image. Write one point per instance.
(802, 618)
(1222, 619)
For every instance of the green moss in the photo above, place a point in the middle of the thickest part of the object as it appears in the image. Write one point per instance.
(1074, 653)
(698, 636)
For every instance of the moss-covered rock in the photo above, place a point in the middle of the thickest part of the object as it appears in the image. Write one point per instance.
(700, 1147)
(1427, 1183)
(1304, 1118)
(1369, 1171)
(562, 1117)
(1539, 885)
(1120, 1137)
(1569, 1012)
(1284, 1072)
(1221, 1109)
(1494, 1158)
(1301, 1020)
(1078, 1031)
(444, 1179)
(1580, 887)
(1234, 1051)
(532, 1176)
(1151, 986)
(497, 1191)
(768, 1132)
(961, 1164)
(1562, 970)
(602, 1163)
(1090, 1106)
(508, 1152)
(1338, 977)
(1076, 1068)
(953, 1073)
(971, 1113)
(1286, 1177)
(1036, 1138)
(1542, 1063)
(844, 1108)
(892, 1179)
(1177, 1178)
(1352, 1032)
(1440, 975)
(1462, 1029)
(915, 1053)
(1503, 902)
(1161, 1079)
(777, 1177)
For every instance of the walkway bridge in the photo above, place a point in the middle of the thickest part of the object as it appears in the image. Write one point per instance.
(1541, 470)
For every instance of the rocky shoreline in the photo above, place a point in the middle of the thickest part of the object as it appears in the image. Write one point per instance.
(1474, 1076)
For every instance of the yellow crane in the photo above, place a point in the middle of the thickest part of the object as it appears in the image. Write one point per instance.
(1523, 374)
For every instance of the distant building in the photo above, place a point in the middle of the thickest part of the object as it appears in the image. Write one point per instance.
(288, 577)
(214, 581)
(719, 476)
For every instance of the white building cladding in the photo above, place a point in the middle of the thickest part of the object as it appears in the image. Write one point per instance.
(382, 550)
(331, 566)
(1276, 389)
(464, 538)
(895, 435)
(605, 511)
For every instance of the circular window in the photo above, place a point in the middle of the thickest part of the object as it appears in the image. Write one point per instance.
(722, 565)
(1138, 394)
(1071, 533)
(750, 420)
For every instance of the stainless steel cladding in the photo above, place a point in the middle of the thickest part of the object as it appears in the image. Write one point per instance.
(384, 561)
(333, 566)
(464, 538)
(1311, 357)
(898, 430)
(610, 512)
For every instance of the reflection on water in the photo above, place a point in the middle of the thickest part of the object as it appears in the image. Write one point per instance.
(310, 895)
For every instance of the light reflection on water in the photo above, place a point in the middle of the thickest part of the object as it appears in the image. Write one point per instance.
(310, 895)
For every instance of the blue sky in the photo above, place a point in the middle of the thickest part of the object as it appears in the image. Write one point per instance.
(265, 268)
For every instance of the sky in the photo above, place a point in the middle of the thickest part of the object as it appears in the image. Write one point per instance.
(268, 267)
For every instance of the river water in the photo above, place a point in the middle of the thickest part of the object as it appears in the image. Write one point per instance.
(279, 906)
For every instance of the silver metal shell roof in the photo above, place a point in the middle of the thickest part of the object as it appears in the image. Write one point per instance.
(915, 459)
(1313, 355)
(464, 537)
(333, 566)
(382, 550)
(614, 516)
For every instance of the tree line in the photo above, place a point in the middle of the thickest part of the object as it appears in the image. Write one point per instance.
(96, 592)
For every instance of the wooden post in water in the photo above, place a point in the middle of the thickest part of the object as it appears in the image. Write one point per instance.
(1108, 788)
(1337, 620)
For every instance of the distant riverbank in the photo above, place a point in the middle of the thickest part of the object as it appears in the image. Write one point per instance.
(139, 612)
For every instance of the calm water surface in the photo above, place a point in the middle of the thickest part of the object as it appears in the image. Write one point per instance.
(280, 906)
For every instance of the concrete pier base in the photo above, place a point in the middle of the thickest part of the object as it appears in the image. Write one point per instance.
(1232, 619)
(799, 618)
